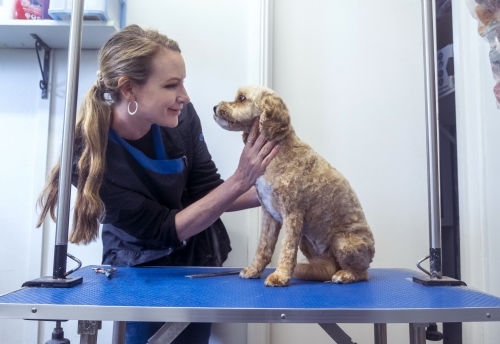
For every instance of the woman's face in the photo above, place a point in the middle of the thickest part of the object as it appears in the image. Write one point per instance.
(162, 97)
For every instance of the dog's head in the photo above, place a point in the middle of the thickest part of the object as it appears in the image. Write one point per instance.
(251, 102)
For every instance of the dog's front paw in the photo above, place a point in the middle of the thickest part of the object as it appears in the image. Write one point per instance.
(277, 280)
(343, 277)
(250, 272)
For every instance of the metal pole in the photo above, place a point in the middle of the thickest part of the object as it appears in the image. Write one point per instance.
(63, 208)
(417, 333)
(336, 333)
(380, 333)
(119, 328)
(432, 126)
(167, 333)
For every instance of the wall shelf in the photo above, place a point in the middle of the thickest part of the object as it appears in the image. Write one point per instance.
(17, 33)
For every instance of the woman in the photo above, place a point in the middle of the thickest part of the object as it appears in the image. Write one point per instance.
(143, 170)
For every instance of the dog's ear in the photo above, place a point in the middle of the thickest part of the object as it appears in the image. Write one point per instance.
(274, 121)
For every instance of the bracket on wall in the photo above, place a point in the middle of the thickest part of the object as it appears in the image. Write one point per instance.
(44, 68)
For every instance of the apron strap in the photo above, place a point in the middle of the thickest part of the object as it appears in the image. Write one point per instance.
(161, 164)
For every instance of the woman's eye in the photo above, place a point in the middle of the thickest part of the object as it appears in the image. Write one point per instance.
(171, 86)
(241, 98)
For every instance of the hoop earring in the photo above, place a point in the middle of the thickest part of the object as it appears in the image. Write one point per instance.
(136, 108)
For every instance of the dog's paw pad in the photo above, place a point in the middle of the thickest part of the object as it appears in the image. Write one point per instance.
(276, 280)
(249, 273)
(343, 277)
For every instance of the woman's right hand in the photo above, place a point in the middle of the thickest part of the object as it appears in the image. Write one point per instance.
(256, 156)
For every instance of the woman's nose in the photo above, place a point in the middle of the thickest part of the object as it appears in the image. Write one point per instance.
(183, 97)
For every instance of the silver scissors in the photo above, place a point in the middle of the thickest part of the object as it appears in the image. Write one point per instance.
(107, 272)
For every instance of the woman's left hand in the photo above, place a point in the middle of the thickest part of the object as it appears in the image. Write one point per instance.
(256, 156)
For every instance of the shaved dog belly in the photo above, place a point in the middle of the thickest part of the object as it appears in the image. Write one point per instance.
(264, 192)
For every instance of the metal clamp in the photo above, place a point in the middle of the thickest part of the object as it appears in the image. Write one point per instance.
(421, 268)
(78, 261)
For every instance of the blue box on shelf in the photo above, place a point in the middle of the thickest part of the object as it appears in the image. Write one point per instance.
(93, 10)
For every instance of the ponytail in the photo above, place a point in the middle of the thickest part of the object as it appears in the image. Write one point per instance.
(91, 135)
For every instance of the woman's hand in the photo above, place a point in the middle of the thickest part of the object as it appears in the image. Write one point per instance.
(256, 156)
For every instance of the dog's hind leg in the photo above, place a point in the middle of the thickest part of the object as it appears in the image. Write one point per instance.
(318, 268)
(354, 252)
(292, 226)
(267, 241)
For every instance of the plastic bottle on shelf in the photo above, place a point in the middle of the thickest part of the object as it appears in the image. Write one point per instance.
(7, 9)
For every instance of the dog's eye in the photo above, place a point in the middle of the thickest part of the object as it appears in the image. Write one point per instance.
(241, 98)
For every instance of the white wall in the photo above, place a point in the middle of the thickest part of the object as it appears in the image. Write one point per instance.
(478, 142)
(351, 73)
(23, 117)
(31, 134)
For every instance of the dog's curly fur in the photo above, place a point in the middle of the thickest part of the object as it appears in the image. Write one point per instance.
(301, 193)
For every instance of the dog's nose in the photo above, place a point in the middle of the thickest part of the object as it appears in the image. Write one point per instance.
(215, 108)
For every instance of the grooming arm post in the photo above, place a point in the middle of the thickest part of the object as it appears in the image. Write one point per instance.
(435, 276)
(63, 208)
(428, 11)
(59, 277)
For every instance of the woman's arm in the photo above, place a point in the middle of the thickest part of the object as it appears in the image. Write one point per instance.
(247, 200)
(256, 155)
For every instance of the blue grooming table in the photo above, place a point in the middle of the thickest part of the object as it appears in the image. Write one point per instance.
(166, 294)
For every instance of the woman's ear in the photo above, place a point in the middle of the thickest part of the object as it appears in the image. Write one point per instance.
(125, 86)
(274, 121)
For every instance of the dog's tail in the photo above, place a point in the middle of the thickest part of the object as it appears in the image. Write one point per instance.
(318, 269)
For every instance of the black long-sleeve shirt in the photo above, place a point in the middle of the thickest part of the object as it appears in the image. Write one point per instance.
(143, 191)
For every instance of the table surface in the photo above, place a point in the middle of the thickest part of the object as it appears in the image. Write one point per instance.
(166, 294)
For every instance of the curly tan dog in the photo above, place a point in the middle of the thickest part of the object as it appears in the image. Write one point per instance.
(301, 193)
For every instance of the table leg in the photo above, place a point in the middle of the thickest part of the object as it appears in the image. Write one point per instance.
(337, 334)
(167, 333)
(380, 333)
(119, 328)
(417, 333)
(87, 329)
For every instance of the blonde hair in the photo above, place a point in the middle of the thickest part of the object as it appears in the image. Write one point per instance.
(128, 53)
